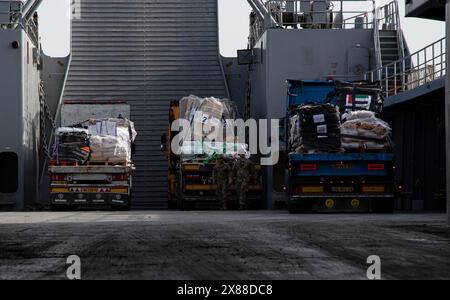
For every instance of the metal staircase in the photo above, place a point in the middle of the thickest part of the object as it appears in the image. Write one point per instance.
(389, 41)
(389, 47)
(147, 53)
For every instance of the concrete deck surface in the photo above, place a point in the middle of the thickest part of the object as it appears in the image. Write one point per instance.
(222, 245)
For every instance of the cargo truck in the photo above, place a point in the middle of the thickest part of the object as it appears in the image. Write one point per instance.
(95, 182)
(191, 182)
(72, 187)
(361, 180)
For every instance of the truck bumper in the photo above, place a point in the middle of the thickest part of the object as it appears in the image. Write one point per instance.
(341, 202)
(211, 198)
(90, 199)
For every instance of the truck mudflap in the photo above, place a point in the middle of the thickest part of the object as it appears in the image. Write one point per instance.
(73, 199)
(342, 203)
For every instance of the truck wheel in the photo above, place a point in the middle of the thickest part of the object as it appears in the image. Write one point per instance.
(126, 207)
(180, 198)
(382, 206)
(123, 208)
(296, 208)
(172, 203)
(180, 203)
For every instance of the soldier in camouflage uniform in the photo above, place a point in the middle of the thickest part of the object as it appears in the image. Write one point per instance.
(222, 175)
(243, 172)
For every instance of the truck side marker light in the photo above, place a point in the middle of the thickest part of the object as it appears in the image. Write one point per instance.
(308, 167)
(375, 167)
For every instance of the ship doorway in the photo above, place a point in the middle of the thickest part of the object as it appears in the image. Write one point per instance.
(9, 172)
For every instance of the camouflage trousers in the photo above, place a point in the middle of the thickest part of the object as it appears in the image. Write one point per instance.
(223, 194)
(241, 191)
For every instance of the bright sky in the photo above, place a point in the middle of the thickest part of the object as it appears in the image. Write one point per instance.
(55, 25)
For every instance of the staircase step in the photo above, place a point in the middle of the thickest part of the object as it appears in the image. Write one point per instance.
(388, 33)
(390, 53)
(388, 62)
(388, 39)
(393, 56)
(389, 44)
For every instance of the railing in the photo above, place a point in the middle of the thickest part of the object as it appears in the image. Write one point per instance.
(415, 70)
(377, 43)
(316, 15)
(388, 18)
(32, 29)
(14, 18)
(307, 14)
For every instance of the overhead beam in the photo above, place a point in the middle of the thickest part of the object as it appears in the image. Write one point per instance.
(256, 9)
(259, 7)
(30, 8)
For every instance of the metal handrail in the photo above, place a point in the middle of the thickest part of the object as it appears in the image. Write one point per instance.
(389, 16)
(280, 5)
(14, 17)
(415, 70)
(298, 19)
(377, 41)
(400, 32)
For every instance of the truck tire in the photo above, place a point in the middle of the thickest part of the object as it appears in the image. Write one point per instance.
(126, 207)
(172, 203)
(180, 198)
(180, 202)
(296, 208)
(382, 206)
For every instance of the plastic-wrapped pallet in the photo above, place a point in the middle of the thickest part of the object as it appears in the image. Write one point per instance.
(207, 117)
(316, 128)
(192, 148)
(71, 146)
(363, 130)
(111, 140)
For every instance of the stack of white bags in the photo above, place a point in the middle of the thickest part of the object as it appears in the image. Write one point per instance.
(111, 139)
(363, 130)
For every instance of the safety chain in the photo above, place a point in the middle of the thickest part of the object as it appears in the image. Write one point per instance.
(45, 115)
